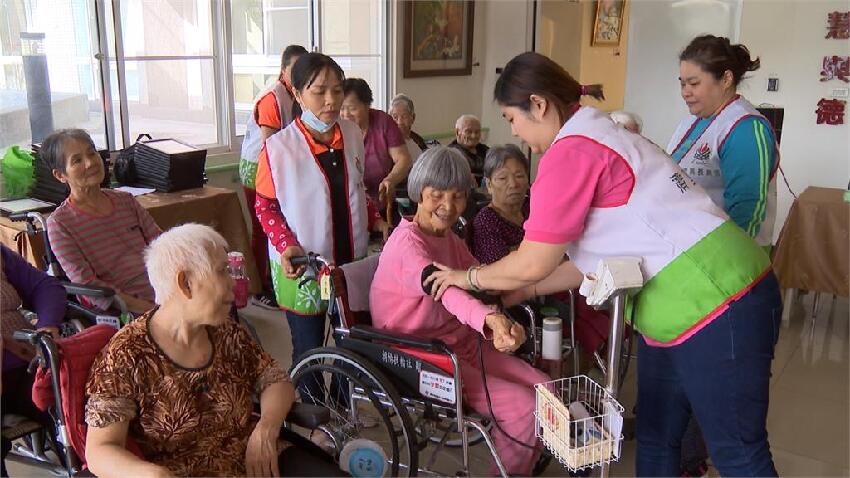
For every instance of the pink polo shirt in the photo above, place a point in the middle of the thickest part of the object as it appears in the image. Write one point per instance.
(575, 174)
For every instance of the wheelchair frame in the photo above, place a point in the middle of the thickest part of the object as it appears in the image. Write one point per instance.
(357, 338)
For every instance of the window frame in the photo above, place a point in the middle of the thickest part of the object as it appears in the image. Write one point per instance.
(117, 122)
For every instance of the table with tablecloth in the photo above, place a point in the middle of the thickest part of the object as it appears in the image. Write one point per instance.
(215, 207)
(812, 253)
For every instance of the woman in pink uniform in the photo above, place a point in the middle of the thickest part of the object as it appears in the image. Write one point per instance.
(439, 183)
(709, 309)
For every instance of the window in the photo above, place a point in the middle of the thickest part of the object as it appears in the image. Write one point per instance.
(353, 32)
(119, 68)
(49, 69)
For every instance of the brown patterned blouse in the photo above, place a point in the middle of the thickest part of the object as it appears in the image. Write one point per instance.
(195, 422)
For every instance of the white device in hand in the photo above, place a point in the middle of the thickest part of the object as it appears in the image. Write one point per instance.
(613, 274)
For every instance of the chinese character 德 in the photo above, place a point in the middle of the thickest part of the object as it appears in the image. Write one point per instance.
(830, 111)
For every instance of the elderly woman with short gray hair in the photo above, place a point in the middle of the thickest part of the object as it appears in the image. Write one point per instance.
(97, 235)
(181, 380)
(400, 302)
(403, 113)
(497, 229)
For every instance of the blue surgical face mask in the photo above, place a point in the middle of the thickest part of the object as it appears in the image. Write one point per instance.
(314, 122)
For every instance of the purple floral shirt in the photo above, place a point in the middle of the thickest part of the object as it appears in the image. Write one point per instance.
(493, 237)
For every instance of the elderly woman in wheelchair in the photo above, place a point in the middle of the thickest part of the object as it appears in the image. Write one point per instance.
(401, 302)
(97, 235)
(180, 380)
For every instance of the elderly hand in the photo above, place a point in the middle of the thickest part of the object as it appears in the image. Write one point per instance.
(504, 337)
(386, 190)
(261, 453)
(291, 271)
(444, 278)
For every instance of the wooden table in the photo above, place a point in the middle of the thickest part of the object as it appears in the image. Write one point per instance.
(812, 251)
(215, 207)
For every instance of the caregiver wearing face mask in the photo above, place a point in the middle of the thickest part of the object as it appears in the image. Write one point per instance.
(725, 144)
(710, 308)
(311, 197)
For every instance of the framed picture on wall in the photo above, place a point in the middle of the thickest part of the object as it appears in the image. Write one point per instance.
(438, 38)
(608, 25)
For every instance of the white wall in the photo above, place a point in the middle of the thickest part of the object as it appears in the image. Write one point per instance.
(508, 26)
(502, 30)
(788, 36)
(658, 31)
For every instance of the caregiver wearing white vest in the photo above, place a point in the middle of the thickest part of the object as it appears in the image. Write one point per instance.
(710, 309)
(725, 144)
(311, 197)
(729, 149)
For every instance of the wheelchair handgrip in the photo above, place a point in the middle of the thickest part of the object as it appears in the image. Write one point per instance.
(18, 216)
(88, 290)
(369, 333)
(298, 261)
(25, 335)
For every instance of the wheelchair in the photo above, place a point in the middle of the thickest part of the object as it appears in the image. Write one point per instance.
(64, 366)
(410, 386)
(79, 316)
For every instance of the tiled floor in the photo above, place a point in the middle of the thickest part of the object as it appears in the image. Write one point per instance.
(808, 423)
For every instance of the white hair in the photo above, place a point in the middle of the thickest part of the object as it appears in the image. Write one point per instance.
(184, 248)
(441, 168)
(402, 99)
(625, 117)
(464, 118)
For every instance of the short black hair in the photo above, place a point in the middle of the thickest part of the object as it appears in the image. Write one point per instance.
(308, 67)
(52, 150)
(290, 52)
(360, 88)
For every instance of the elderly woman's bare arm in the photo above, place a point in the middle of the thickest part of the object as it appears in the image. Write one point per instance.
(107, 455)
(261, 453)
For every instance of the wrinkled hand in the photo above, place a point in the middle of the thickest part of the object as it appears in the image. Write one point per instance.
(261, 453)
(291, 271)
(505, 339)
(386, 190)
(444, 278)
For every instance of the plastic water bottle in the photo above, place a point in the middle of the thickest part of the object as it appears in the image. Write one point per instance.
(236, 267)
(551, 346)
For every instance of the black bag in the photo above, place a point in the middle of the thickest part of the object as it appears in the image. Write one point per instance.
(125, 165)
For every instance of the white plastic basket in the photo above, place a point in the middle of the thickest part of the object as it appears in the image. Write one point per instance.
(579, 422)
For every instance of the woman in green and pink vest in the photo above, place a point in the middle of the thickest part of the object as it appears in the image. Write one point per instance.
(710, 308)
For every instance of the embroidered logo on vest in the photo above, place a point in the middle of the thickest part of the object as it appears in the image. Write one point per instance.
(703, 154)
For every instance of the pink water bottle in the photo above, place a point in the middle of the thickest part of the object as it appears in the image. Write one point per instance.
(236, 267)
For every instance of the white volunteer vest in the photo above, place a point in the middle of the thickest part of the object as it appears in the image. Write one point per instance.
(253, 143)
(665, 215)
(702, 160)
(303, 190)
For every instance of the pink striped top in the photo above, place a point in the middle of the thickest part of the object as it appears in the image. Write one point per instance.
(105, 250)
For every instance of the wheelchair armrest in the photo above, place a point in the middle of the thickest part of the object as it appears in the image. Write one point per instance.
(87, 290)
(308, 416)
(370, 333)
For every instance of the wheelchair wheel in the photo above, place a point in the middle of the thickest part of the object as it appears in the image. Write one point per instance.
(358, 394)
